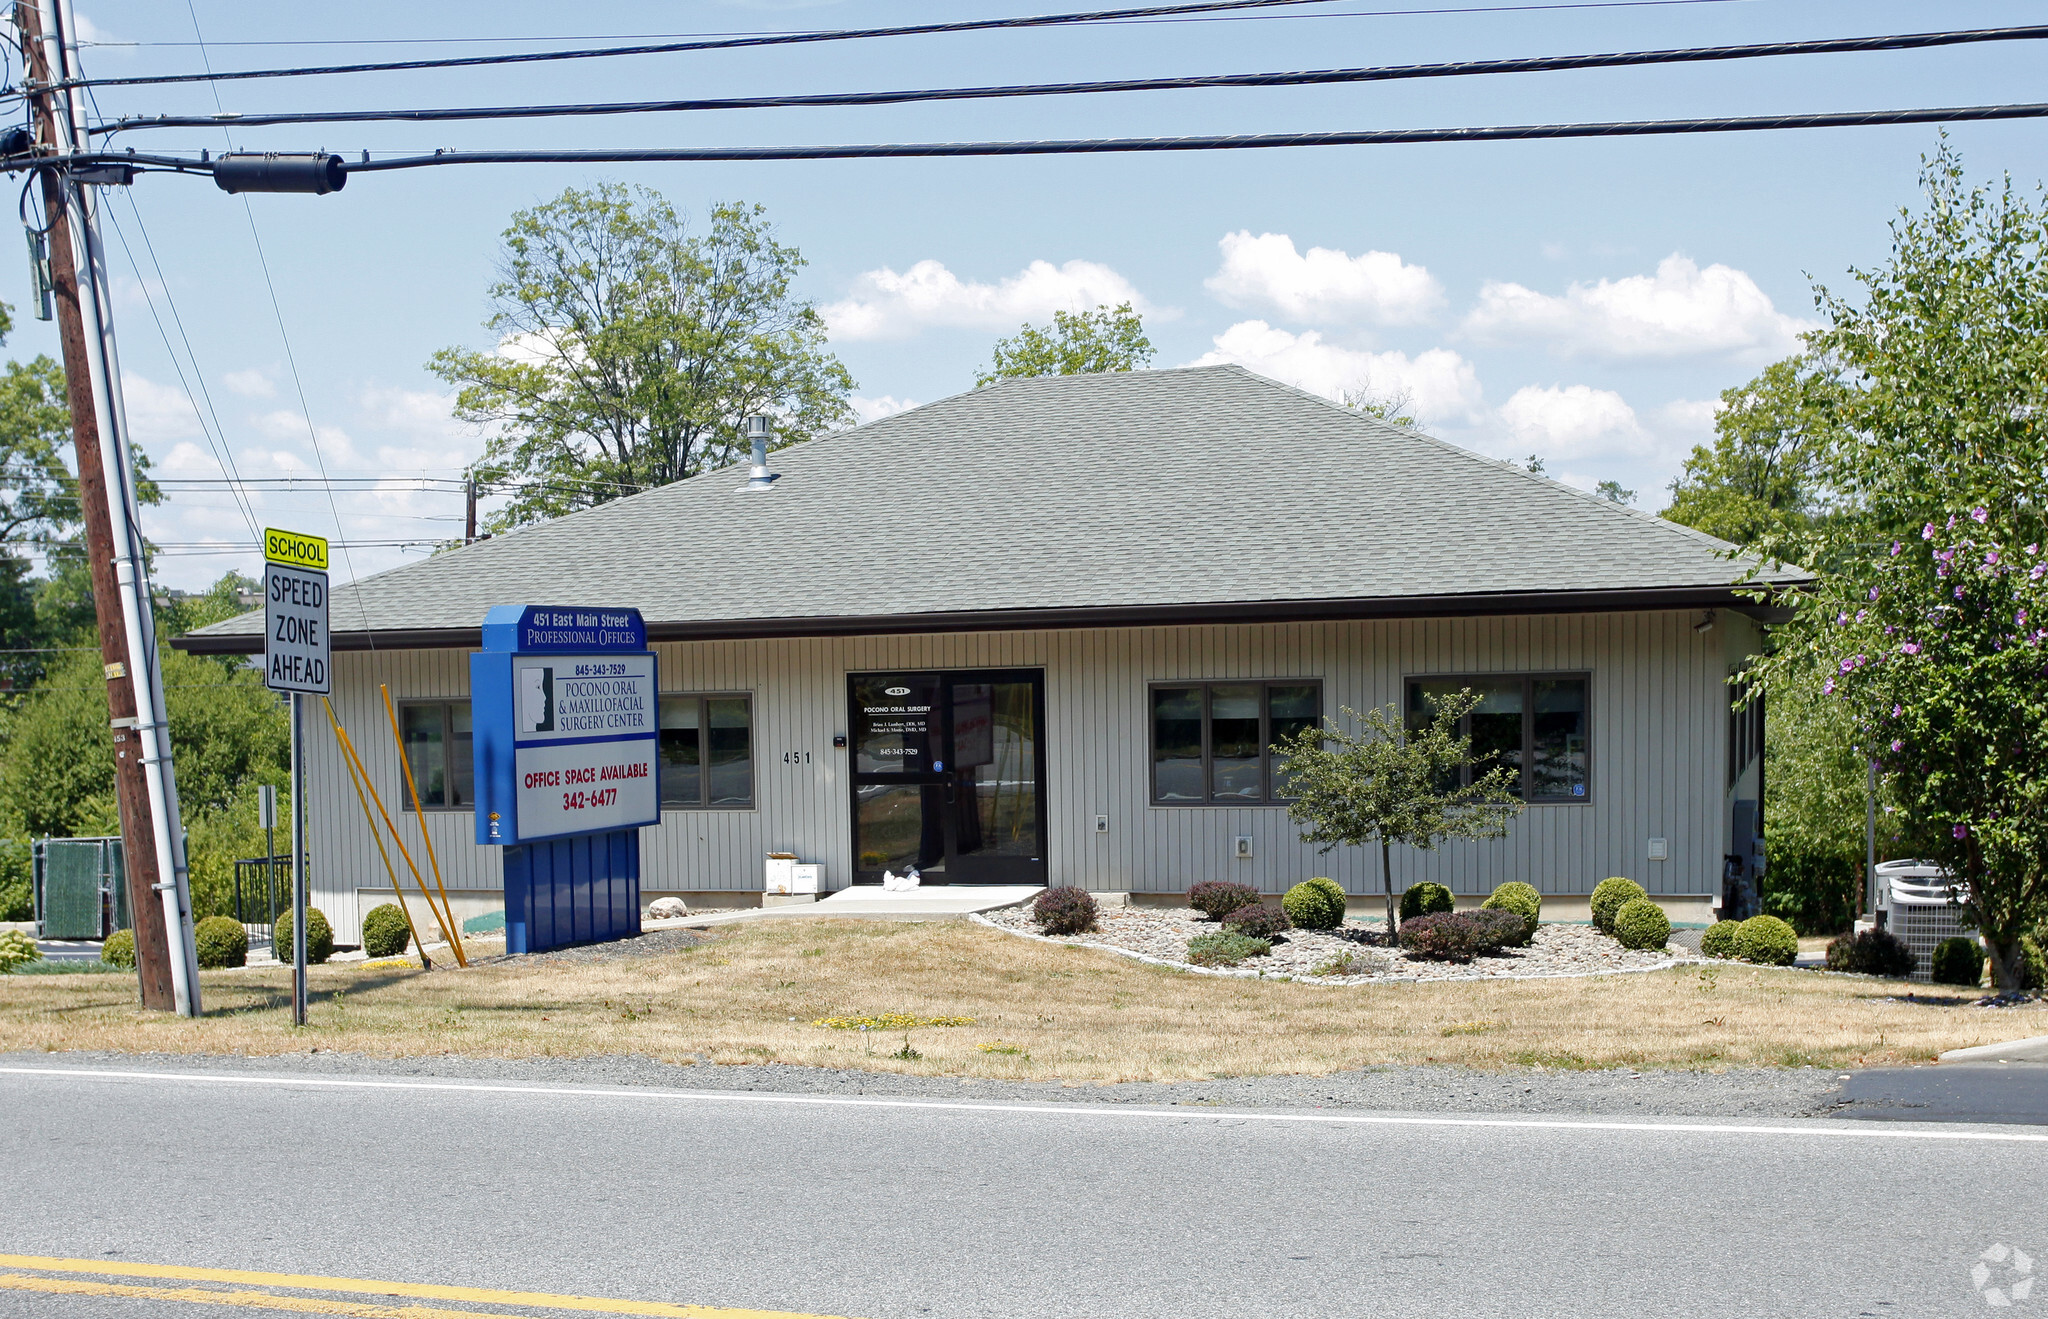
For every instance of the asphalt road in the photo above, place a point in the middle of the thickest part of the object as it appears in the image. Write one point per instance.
(891, 1207)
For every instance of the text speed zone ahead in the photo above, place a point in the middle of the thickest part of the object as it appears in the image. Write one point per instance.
(295, 648)
(586, 737)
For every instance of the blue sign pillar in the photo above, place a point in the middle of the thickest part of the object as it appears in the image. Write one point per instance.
(565, 712)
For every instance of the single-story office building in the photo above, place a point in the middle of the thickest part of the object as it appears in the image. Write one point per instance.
(1044, 632)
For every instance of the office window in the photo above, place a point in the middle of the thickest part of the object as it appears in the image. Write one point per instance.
(1212, 741)
(707, 752)
(438, 748)
(1538, 725)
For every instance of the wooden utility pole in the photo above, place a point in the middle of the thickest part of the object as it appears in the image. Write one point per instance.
(131, 791)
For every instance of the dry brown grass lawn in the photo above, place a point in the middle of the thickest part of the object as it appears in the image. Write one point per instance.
(1038, 1010)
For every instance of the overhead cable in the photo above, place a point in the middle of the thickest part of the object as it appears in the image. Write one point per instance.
(1313, 77)
(1432, 11)
(676, 47)
(1234, 142)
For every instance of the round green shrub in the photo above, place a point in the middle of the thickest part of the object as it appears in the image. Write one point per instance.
(1521, 899)
(1315, 904)
(1608, 896)
(1260, 921)
(1426, 899)
(1642, 925)
(119, 950)
(319, 937)
(386, 932)
(1720, 939)
(221, 942)
(1958, 961)
(17, 949)
(1064, 910)
(1220, 949)
(1767, 940)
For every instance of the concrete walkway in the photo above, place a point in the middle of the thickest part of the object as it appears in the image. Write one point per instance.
(938, 902)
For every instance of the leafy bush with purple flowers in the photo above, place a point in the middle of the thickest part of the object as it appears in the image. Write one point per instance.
(1217, 898)
(1064, 910)
(1260, 921)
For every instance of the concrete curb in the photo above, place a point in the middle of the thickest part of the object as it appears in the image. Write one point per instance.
(2033, 1050)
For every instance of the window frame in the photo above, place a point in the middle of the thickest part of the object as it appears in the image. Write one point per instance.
(1528, 679)
(1267, 799)
(446, 705)
(703, 803)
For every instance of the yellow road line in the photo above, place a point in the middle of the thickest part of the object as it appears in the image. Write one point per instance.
(21, 1282)
(422, 1290)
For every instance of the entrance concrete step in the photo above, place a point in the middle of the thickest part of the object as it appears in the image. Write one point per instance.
(939, 902)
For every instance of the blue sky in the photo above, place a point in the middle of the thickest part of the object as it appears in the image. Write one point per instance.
(1585, 301)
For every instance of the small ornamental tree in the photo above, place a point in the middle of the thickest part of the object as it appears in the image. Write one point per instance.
(1386, 785)
(1942, 661)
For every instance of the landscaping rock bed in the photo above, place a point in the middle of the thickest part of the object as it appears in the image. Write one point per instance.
(1162, 934)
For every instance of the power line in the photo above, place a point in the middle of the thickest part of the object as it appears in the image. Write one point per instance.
(216, 437)
(1234, 142)
(720, 43)
(1166, 18)
(1314, 77)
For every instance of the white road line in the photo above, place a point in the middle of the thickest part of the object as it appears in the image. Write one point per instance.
(1872, 1130)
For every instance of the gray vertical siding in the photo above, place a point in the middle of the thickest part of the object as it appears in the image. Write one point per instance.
(1658, 744)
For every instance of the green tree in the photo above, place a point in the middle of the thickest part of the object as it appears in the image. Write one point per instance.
(1762, 474)
(1939, 664)
(1078, 343)
(1934, 462)
(630, 350)
(1385, 784)
(1615, 493)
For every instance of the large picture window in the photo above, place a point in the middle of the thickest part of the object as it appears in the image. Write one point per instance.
(437, 747)
(707, 752)
(1212, 741)
(1539, 725)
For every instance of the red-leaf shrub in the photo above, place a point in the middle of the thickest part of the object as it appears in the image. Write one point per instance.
(1444, 937)
(1064, 910)
(1217, 898)
(1872, 953)
(1259, 921)
(1496, 929)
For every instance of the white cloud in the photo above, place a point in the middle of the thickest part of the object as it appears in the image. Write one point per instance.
(1692, 418)
(1323, 284)
(1681, 311)
(886, 304)
(874, 409)
(1572, 421)
(157, 413)
(250, 384)
(1441, 385)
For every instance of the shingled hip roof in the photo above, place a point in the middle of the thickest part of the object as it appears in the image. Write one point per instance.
(1149, 496)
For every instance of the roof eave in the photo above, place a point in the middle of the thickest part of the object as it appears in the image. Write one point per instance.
(1073, 617)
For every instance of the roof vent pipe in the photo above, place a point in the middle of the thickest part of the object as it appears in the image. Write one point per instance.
(760, 430)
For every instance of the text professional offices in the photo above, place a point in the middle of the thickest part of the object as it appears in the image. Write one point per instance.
(1044, 631)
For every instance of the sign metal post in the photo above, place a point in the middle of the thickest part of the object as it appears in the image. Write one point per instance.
(296, 659)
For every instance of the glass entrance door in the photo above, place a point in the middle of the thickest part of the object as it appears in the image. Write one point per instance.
(949, 775)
